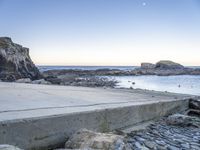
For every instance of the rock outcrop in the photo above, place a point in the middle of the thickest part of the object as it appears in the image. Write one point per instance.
(164, 68)
(147, 65)
(15, 62)
(166, 64)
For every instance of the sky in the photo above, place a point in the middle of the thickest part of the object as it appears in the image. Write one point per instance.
(104, 32)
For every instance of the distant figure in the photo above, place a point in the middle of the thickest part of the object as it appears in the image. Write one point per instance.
(179, 85)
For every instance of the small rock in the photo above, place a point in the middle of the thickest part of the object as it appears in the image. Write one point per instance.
(139, 146)
(160, 143)
(41, 81)
(23, 80)
(185, 145)
(170, 147)
(9, 147)
(147, 66)
(194, 104)
(149, 144)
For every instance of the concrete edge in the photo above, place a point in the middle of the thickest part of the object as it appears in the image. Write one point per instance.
(53, 131)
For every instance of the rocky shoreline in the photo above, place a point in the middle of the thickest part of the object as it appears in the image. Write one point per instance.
(17, 66)
(162, 68)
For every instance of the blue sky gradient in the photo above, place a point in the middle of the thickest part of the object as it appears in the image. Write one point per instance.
(104, 32)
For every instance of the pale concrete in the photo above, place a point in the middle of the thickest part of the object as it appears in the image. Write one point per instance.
(40, 116)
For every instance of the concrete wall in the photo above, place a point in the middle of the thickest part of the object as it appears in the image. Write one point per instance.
(48, 132)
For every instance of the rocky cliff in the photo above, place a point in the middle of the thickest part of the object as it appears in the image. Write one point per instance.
(15, 62)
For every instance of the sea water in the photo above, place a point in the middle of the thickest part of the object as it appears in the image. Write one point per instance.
(187, 84)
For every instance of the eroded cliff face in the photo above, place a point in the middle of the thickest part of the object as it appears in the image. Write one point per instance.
(15, 62)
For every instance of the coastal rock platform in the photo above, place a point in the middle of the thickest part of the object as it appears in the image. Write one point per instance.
(44, 116)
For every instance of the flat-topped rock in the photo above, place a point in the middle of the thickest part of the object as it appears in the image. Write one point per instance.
(167, 64)
(147, 65)
(15, 62)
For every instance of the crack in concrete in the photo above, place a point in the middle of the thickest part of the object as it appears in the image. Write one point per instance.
(74, 106)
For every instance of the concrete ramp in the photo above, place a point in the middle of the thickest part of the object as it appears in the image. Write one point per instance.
(43, 116)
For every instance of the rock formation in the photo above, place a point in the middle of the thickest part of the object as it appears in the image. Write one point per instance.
(166, 64)
(147, 65)
(15, 62)
(164, 68)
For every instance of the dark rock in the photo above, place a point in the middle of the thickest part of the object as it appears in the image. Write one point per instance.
(183, 120)
(40, 81)
(194, 104)
(53, 80)
(147, 66)
(194, 112)
(166, 64)
(79, 80)
(15, 62)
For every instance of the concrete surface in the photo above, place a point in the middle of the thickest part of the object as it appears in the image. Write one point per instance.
(42, 116)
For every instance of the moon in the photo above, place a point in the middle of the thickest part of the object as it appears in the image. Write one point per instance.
(144, 4)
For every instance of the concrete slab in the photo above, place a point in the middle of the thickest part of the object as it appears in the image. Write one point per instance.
(41, 116)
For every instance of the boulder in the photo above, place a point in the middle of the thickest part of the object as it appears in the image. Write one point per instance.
(85, 139)
(23, 80)
(15, 62)
(8, 147)
(147, 66)
(183, 120)
(166, 64)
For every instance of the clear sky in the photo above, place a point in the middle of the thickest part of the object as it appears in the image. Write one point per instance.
(104, 32)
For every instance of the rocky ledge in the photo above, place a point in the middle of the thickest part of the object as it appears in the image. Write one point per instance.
(15, 62)
(161, 68)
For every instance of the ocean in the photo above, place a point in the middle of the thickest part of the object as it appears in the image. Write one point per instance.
(45, 68)
(186, 84)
